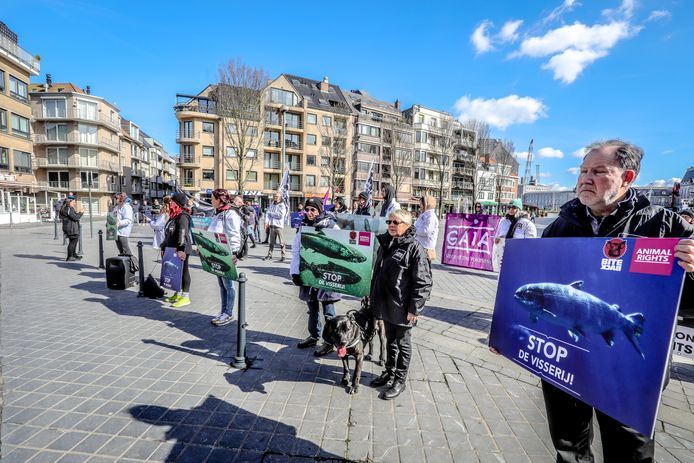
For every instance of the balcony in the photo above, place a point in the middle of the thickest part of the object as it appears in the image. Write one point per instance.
(189, 160)
(190, 184)
(462, 185)
(77, 163)
(271, 185)
(271, 165)
(77, 115)
(77, 139)
(462, 171)
(78, 185)
(138, 173)
(187, 137)
(20, 54)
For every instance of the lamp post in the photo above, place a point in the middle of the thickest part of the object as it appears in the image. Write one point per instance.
(283, 110)
(91, 229)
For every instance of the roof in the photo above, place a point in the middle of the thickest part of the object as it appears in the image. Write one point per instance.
(688, 176)
(56, 88)
(333, 100)
(362, 98)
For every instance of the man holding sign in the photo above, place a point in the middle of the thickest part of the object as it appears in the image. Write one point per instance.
(607, 206)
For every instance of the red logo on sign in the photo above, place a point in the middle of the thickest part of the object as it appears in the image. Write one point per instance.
(614, 248)
(352, 235)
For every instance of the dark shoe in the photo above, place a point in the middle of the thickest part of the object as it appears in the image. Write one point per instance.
(78, 257)
(268, 257)
(252, 246)
(308, 342)
(70, 259)
(282, 258)
(382, 380)
(324, 350)
(394, 391)
(223, 319)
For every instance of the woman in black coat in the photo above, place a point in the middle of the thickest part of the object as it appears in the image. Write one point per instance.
(71, 226)
(177, 235)
(400, 286)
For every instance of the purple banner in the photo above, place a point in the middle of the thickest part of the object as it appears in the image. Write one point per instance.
(468, 240)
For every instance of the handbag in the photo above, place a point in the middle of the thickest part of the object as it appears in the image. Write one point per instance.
(151, 288)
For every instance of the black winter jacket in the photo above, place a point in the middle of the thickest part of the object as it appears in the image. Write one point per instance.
(402, 278)
(177, 233)
(71, 220)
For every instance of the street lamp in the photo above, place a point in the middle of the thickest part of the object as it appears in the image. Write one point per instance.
(283, 110)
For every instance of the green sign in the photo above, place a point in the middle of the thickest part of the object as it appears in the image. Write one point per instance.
(361, 223)
(337, 260)
(111, 227)
(215, 253)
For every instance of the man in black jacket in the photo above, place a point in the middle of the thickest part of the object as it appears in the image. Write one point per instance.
(608, 206)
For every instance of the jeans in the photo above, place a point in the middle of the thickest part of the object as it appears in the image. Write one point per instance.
(123, 247)
(72, 246)
(314, 323)
(256, 231)
(399, 349)
(249, 232)
(227, 293)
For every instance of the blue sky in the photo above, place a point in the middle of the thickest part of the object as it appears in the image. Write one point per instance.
(563, 72)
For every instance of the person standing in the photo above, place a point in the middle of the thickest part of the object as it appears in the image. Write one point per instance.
(362, 208)
(71, 224)
(275, 216)
(124, 216)
(249, 221)
(177, 235)
(687, 215)
(427, 226)
(229, 222)
(258, 216)
(159, 223)
(390, 202)
(400, 286)
(515, 224)
(314, 216)
(478, 209)
(608, 206)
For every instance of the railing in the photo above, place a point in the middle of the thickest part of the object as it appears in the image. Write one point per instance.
(77, 163)
(79, 185)
(272, 185)
(190, 183)
(186, 136)
(271, 164)
(76, 114)
(272, 143)
(20, 54)
(189, 159)
(463, 171)
(73, 138)
(294, 166)
(292, 146)
(462, 185)
(137, 172)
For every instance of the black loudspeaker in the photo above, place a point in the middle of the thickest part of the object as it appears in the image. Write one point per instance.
(119, 273)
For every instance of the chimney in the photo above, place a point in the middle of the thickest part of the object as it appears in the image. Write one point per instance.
(397, 104)
(49, 80)
(324, 86)
(88, 91)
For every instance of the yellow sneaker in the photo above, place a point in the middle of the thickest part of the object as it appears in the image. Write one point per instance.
(180, 302)
(172, 299)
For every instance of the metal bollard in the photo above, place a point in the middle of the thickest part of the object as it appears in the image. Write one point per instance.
(79, 227)
(140, 256)
(101, 249)
(240, 359)
(55, 229)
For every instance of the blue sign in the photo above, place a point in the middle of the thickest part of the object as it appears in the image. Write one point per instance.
(295, 219)
(171, 270)
(594, 317)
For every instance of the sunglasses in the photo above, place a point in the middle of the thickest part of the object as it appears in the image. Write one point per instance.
(393, 222)
(513, 207)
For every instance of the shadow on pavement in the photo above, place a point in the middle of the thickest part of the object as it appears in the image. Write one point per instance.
(40, 257)
(478, 320)
(463, 271)
(219, 431)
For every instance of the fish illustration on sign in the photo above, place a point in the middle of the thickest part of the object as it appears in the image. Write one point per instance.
(215, 264)
(579, 312)
(209, 245)
(170, 265)
(111, 220)
(321, 244)
(343, 274)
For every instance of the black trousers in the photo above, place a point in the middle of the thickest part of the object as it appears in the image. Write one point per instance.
(185, 280)
(72, 246)
(571, 428)
(399, 350)
(123, 246)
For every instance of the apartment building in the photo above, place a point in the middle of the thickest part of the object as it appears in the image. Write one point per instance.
(76, 144)
(17, 180)
(306, 125)
(687, 189)
(497, 177)
(383, 138)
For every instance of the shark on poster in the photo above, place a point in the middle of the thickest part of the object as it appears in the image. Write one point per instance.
(594, 317)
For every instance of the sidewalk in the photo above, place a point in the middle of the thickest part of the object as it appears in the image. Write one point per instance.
(97, 375)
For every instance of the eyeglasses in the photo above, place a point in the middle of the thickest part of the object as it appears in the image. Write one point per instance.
(513, 207)
(311, 209)
(393, 222)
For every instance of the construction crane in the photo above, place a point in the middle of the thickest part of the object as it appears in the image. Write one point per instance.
(528, 164)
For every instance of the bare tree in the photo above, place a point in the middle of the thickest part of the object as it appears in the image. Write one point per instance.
(238, 98)
(505, 160)
(479, 160)
(397, 153)
(441, 138)
(336, 154)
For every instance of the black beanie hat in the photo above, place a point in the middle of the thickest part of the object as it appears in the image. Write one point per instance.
(313, 202)
(181, 199)
(363, 195)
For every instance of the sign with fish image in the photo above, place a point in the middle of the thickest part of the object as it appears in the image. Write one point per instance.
(337, 260)
(361, 223)
(601, 332)
(171, 270)
(215, 253)
(469, 240)
(111, 227)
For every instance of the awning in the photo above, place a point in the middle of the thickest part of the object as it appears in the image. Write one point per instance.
(487, 203)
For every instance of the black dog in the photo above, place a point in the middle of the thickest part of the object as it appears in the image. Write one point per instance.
(349, 334)
(380, 330)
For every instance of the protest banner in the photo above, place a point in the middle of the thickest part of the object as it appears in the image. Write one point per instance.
(111, 227)
(337, 260)
(683, 345)
(215, 253)
(201, 222)
(594, 317)
(171, 270)
(469, 240)
(366, 223)
(295, 219)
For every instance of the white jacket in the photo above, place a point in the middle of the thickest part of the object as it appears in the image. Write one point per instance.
(276, 215)
(524, 229)
(427, 226)
(124, 214)
(158, 226)
(228, 222)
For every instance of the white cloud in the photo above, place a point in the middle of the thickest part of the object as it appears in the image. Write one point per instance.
(509, 32)
(521, 157)
(625, 10)
(573, 170)
(579, 153)
(558, 187)
(568, 65)
(550, 153)
(480, 39)
(545, 174)
(568, 5)
(501, 112)
(662, 182)
(658, 15)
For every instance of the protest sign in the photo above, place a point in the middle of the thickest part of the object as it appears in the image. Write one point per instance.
(683, 344)
(468, 240)
(295, 219)
(594, 317)
(337, 260)
(111, 227)
(215, 253)
(361, 223)
(171, 270)
(201, 222)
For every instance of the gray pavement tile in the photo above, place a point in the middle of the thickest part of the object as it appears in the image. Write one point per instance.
(46, 456)
(24, 415)
(231, 439)
(43, 438)
(116, 446)
(483, 443)
(113, 425)
(207, 436)
(19, 435)
(219, 455)
(74, 458)
(437, 455)
(248, 456)
(414, 454)
(92, 443)
(385, 453)
(256, 441)
(19, 455)
(134, 429)
(67, 440)
(311, 429)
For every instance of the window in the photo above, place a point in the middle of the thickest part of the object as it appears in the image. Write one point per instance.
(272, 161)
(135, 130)
(434, 122)
(4, 158)
(312, 119)
(88, 134)
(208, 150)
(56, 132)
(232, 152)
(57, 155)
(310, 139)
(54, 108)
(271, 139)
(282, 96)
(252, 131)
(324, 161)
(22, 161)
(232, 174)
(272, 118)
(327, 121)
(420, 137)
(251, 154)
(20, 126)
(187, 129)
(292, 120)
(310, 180)
(87, 178)
(88, 110)
(369, 130)
(292, 141)
(420, 119)
(340, 124)
(325, 141)
(18, 89)
(405, 137)
(58, 179)
(295, 182)
(271, 181)
(310, 160)
(368, 148)
(2, 81)
(3, 120)
(252, 176)
(207, 174)
(324, 180)
(208, 127)
(88, 157)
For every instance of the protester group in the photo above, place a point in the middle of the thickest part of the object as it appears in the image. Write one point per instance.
(402, 281)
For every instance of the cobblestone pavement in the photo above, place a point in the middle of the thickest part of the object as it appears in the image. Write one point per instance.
(97, 375)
